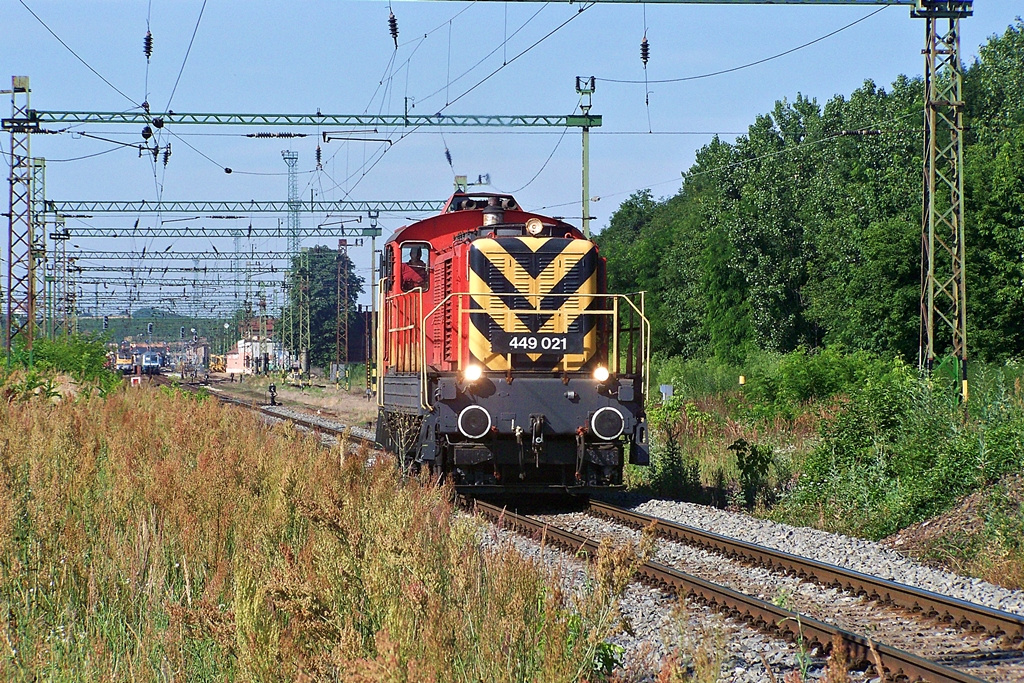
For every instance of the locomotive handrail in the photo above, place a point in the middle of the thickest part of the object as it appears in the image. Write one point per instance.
(384, 329)
(645, 329)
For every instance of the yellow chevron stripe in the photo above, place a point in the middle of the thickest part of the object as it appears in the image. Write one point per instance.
(533, 289)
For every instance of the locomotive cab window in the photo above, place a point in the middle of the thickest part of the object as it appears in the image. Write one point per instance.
(415, 268)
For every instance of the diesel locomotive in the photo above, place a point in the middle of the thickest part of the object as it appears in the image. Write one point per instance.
(503, 362)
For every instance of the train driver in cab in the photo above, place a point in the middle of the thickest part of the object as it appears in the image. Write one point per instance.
(414, 271)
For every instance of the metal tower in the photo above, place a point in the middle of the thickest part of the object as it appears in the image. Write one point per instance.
(342, 312)
(294, 206)
(21, 295)
(37, 217)
(302, 323)
(943, 290)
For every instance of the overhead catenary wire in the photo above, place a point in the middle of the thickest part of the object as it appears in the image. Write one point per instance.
(185, 59)
(749, 64)
(76, 55)
(533, 45)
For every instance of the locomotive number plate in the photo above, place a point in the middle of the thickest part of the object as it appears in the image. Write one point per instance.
(505, 342)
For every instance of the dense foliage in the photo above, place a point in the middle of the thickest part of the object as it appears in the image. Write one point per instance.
(854, 443)
(806, 231)
(902, 451)
(83, 359)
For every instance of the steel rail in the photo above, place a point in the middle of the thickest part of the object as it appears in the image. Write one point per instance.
(960, 612)
(758, 612)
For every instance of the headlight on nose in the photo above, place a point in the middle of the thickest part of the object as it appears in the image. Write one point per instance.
(472, 373)
(601, 373)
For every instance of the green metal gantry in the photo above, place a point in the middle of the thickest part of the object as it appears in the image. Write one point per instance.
(21, 276)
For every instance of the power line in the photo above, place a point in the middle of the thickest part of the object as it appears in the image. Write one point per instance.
(68, 47)
(187, 52)
(746, 66)
(471, 89)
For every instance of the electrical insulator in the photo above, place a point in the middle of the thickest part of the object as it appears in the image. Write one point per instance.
(319, 157)
(448, 156)
(645, 51)
(147, 132)
(156, 153)
(167, 153)
(147, 45)
(393, 25)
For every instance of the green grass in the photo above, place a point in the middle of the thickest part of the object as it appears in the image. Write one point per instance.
(148, 536)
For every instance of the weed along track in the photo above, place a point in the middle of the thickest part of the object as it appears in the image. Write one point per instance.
(912, 633)
(356, 436)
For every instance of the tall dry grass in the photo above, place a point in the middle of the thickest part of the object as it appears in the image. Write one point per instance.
(151, 536)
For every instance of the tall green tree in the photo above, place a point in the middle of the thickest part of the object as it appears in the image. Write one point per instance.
(319, 266)
(805, 232)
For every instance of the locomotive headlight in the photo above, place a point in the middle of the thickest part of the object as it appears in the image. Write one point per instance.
(534, 226)
(472, 373)
(601, 373)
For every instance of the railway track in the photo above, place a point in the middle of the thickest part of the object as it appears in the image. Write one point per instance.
(353, 434)
(760, 613)
(899, 664)
(965, 615)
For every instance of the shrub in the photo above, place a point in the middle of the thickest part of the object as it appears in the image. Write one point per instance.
(903, 450)
(784, 382)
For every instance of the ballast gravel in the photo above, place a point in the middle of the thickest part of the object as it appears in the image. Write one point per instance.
(864, 556)
(657, 628)
(318, 420)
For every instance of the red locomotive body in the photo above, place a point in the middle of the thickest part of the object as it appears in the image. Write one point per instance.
(502, 361)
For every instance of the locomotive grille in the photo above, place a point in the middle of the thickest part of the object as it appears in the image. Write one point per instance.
(533, 289)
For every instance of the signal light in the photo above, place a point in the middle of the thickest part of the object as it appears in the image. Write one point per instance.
(182, 333)
(106, 322)
(149, 328)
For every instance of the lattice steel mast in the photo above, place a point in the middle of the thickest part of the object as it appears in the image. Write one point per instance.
(294, 206)
(943, 262)
(20, 309)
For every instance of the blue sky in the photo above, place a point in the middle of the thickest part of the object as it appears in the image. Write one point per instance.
(267, 56)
